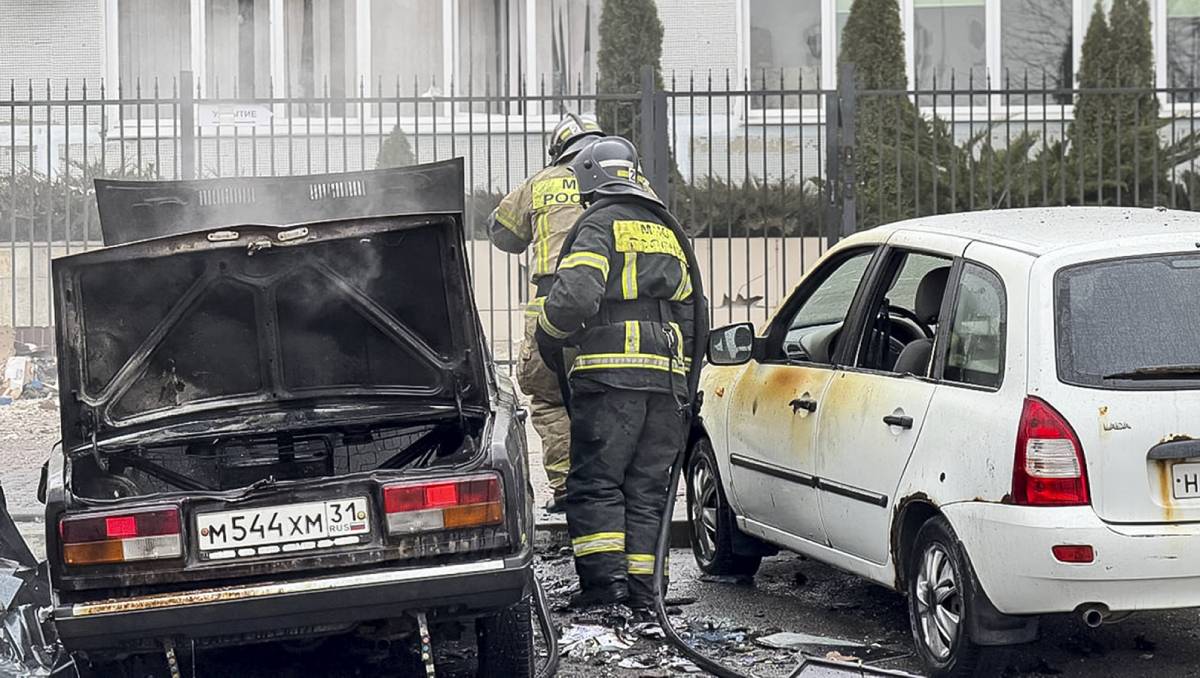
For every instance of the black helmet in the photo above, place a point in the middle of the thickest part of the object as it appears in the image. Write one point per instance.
(609, 167)
(569, 133)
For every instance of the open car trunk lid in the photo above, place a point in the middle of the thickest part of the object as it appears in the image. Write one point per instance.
(139, 210)
(303, 321)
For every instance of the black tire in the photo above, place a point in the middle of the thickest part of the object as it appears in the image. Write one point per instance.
(711, 524)
(937, 597)
(506, 643)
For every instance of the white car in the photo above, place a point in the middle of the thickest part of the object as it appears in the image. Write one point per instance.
(997, 413)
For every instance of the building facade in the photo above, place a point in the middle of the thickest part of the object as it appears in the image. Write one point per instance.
(310, 47)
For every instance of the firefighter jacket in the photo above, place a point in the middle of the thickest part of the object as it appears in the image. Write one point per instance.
(540, 212)
(622, 295)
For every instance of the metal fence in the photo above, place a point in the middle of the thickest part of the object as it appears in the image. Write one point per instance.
(764, 171)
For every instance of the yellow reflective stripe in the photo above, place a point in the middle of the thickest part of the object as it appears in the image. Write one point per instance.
(534, 307)
(542, 265)
(645, 361)
(640, 563)
(629, 285)
(633, 336)
(549, 328)
(595, 536)
(507, 220)
(599, 542)
(596, 261)
(685, 284)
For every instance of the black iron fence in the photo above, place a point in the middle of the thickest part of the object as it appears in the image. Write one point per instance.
(764, 172)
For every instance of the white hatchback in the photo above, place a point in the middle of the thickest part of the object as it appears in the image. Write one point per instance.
(997, 413)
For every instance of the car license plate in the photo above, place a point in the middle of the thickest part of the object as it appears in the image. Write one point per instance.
(289, 528)
(1186, 480)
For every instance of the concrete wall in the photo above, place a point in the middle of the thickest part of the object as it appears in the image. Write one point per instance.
(699, 36)
(55, 39)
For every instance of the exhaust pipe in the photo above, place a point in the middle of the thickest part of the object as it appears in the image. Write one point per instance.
(1094, 614)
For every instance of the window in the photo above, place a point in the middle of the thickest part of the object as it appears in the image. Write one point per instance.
(1036, 43)
(568, 44)
(785, 46)
(843, 15)
(830, 301)
(319, 51)
(1183, 45)
(406, 46)
(1130, 323)
(902, 318)
(237, 47)
(976, 342)
(903, 291)
(812, 331)
(949, 36)
(153, 42)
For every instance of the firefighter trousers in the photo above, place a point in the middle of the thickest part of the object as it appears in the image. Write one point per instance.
(622, 445)
(546, 409)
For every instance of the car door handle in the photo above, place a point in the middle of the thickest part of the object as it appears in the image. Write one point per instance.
(903, 421)
(803, 404)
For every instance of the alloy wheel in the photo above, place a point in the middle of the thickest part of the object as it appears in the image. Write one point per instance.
(939, 602)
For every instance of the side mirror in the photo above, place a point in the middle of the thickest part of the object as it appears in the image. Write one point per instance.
(731, 345)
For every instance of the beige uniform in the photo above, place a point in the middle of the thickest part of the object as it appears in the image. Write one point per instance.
(538, 215)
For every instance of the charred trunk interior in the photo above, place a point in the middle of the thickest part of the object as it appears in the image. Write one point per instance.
(218, 464)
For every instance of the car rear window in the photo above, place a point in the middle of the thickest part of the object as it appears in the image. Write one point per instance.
(1130, 323)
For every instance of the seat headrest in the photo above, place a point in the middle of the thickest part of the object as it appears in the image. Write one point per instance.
(929, 294)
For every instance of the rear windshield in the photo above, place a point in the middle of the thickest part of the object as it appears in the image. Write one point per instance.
(1130, 323)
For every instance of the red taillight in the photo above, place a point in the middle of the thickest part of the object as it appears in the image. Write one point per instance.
(1081, 553)
(426, 506)
(119, 527)
(128, 536)
(1049, 468)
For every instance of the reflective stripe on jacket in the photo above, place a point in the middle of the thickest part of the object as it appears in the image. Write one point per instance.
(539, 212)
(623, 296)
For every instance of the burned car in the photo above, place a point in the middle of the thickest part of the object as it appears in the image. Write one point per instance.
(287, 432)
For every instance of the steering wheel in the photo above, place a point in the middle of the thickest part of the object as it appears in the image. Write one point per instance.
(911, 317)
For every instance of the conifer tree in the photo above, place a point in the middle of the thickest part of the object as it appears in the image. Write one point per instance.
(630, 37)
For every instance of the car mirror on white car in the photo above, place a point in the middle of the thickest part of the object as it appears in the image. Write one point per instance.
(731, 345)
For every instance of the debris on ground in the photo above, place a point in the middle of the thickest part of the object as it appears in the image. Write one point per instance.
(786, 640)
(737, 580)
(835, 656)
(28, 642)
(28, 376)
(588, 640)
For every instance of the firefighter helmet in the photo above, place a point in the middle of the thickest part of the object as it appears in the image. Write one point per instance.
(609, 167)
(570, 135)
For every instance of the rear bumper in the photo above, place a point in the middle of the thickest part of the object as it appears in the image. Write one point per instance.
(460, 590)
(1136, 567)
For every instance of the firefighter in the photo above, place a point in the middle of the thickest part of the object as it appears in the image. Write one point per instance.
(622, 299)
(540, 212)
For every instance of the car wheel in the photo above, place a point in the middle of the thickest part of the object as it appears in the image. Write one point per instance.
(939, 607)
(506, 643)
(710, 520)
